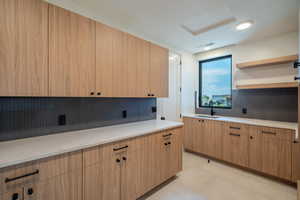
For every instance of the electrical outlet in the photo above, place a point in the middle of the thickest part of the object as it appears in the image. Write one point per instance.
(154, 109)
(62, 119)
(244, 110)
(124, 113)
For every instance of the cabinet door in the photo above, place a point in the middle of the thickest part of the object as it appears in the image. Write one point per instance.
(120, 78)
(104, 60)
(24, 48)
(277, 155)
(64, 187)
(71, 54)
(102, 174)
(199, 136)
(130, 175)
(235, 144)
(188, 133)
(143, 68)
(255, 148)
(214, 132)
(175, 154)
(159, 71)
(296, 161)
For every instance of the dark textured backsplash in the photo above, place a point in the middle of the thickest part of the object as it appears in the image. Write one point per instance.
(268, 104)
(28, 117)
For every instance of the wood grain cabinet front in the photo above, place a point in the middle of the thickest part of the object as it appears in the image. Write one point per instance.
(58, 177)
(71, 54)
(235, 144)
(159, 71)
(24, 48)
(126, 170)
(296, 161)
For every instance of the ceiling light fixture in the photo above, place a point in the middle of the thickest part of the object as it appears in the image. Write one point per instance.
(208, 46)
(244, 25)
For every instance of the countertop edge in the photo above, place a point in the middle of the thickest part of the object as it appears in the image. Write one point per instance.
(103, 142)
(248, 123)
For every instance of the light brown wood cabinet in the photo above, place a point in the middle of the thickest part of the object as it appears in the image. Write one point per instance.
(122, 170)
(58, 177)
(24, 48)
(104, 60)
(194, 130)
(159, 71)
(50, 51)
(126, 170)
(213, 139)
(204, 136)
(255, 148)
(71, 54)
(296, 161)
(268, 150)
(235, 144)
(276, 152)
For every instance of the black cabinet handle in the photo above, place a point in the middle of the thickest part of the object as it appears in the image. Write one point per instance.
(92, 93)
(296, 64)
(233, 134)
(268, 132)
(167, 135)
(149, 95)
(118, 149)
(296, 142)
(99, 93)
(124, 158)
(166, 144)
(169, 143)
(251, 137)
(296, 78)
(118, 160)
(30, 191)
(233, 127)
(15, 196)
(7, 180)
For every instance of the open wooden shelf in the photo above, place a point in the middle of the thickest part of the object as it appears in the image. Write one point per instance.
(268, 85)
(272, 61)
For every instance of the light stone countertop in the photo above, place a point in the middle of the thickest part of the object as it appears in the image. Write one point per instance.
(257, 122)
(24, 150)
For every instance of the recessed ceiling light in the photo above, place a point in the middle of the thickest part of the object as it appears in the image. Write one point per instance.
(244, 25)
(208, 46)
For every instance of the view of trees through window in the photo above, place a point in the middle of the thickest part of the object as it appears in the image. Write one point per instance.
(215, 82)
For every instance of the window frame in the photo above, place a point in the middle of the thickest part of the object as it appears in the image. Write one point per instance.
(200, 81)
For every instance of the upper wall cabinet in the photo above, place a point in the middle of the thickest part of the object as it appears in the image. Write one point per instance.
(71, 54)
(23, 48)
(159, 71)
(104, 60)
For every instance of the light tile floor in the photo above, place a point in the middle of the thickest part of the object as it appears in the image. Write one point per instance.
(201, 180)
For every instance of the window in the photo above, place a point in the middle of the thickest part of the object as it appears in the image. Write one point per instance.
(215, 82)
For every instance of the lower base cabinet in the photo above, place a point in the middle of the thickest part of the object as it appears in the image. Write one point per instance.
(124, 170)
(129, 169)
(296, 162)
(263, 149)
(235, 144)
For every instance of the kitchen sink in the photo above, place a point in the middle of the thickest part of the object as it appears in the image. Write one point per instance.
(208, 116)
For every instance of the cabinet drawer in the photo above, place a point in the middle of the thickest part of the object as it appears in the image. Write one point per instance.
(36, 171)
(16, 176)
(276, 133)
(236, 129)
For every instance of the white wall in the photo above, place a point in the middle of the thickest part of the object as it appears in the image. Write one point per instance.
(283, 45)
(189, 66)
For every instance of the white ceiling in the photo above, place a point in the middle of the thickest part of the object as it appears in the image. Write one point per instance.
(161, 20)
